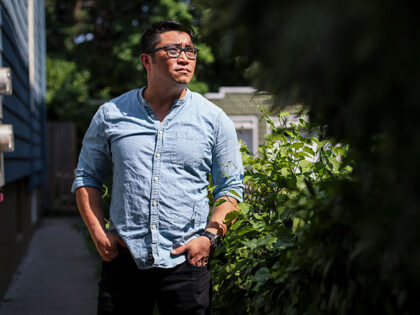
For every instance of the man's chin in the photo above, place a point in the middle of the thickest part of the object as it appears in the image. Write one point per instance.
(183, 81)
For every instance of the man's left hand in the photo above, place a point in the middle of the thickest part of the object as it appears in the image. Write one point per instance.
(198, 251)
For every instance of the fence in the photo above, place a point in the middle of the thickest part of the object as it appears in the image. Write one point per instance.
(61, 137)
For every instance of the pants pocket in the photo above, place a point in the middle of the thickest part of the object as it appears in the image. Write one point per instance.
(190, 265)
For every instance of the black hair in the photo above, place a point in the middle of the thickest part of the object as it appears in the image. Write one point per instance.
(150, 37)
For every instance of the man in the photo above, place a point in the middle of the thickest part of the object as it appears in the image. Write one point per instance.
(162, 141)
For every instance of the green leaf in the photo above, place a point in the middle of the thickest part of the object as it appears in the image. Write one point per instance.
(247, 179)
(262, 275)
(244, 207)
(284, 172)
(309, 150)
(235, 193)
(305, 165)
(245, 230)
(252, 243)
(238, 225)
(219, 202)
(260, 216)
(106, 191)
(288, 132)
(231, 216)
(297, 224)
(211, 188)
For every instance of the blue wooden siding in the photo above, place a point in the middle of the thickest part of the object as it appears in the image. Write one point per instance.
(25, 108)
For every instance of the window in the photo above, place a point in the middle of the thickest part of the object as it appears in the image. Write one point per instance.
(247, 130)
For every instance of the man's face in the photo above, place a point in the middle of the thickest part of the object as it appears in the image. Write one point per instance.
(172, 70)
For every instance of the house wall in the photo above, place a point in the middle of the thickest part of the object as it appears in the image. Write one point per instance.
(22, 49)
(25, 108)
(17, 214)
(241, 105)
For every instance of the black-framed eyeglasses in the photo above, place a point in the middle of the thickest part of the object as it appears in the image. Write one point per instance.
(174, 51)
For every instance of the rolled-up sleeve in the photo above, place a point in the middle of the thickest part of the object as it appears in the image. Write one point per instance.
(227, 170)
(95, 158)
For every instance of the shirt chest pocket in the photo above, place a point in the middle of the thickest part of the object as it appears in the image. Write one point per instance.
(189, 150)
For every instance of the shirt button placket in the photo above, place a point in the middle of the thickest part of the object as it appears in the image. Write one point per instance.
(154, 219)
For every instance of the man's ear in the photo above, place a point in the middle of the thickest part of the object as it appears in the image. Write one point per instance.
(146, 60)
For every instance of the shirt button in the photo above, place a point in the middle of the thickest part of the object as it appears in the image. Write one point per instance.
(156, 178)
(155, 203)
(160, 132)
(150, 258)
(158, 154)
(153, 226)
(152, 115)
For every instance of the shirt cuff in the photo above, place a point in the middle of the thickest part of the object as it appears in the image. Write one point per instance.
(237, 196)
(83, 181)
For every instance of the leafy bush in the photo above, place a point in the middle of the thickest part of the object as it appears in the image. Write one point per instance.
(285, 253)
(356, 65)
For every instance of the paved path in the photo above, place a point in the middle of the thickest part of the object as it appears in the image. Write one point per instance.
(57, 276)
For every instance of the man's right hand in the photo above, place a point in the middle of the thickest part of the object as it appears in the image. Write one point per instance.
(107, 246)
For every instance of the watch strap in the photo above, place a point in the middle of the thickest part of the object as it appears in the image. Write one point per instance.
(214, 238)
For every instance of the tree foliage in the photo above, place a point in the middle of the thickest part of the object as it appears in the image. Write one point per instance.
(356, 65)
(93, 51)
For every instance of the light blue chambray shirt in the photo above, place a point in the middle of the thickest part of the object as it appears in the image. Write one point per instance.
(160, 170)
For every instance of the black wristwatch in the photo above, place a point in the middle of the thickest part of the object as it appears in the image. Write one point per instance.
(215, 240)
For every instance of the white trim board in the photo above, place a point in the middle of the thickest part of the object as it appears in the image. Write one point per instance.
(229, 90)
(247, 122)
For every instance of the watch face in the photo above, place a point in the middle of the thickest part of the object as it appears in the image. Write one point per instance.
(216, 241)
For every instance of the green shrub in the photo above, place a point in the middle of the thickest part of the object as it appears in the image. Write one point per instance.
(285, 253)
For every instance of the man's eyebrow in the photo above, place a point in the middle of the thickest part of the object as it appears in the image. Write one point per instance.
(177, 44)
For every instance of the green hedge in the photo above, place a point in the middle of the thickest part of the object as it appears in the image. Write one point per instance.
(289, 251)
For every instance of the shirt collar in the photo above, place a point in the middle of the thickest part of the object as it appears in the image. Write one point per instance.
(177, 103)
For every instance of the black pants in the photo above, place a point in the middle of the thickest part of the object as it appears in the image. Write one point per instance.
(124, 289)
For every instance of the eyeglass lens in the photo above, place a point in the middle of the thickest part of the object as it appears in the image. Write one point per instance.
(174, 52)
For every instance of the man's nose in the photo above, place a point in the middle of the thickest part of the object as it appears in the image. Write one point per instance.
(183, 57)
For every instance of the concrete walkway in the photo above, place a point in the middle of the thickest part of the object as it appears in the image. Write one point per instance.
(56, 276)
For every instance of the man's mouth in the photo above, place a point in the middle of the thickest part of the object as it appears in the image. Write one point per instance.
(183, 70)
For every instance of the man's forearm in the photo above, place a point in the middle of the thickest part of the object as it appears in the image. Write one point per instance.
(89, 203)
(217, 224)
(90, 207)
